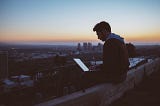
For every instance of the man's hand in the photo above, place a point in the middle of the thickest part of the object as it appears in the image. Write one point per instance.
(95, 67)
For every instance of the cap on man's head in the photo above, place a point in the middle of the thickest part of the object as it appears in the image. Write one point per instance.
(102, 25)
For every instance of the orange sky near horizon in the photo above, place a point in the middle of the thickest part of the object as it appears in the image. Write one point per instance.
(66, 37)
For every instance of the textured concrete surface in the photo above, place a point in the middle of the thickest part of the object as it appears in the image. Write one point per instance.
(147, 93)
(105, 94)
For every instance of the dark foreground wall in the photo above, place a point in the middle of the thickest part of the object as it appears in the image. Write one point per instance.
(104, 94)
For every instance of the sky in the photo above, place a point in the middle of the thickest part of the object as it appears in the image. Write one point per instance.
(51, 21)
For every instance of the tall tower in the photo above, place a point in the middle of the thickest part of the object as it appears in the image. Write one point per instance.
(89, 46)
(79, 47)
(3, 65)
(85, 46)
(100, 46)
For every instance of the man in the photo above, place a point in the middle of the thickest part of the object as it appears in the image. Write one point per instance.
(115, 55)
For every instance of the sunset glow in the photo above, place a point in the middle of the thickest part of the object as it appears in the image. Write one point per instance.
(72, 20)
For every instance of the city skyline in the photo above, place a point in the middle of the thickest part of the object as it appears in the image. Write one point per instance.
(65, 21)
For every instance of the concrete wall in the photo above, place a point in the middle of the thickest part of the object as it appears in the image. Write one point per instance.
(104, 94)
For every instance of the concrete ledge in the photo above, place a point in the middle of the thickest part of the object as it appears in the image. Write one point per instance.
(104, 94)
(94, 93)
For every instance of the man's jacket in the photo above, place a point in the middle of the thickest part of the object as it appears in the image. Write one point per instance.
(115, 57)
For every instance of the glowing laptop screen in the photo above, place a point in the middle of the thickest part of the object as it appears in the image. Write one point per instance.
(81, 64)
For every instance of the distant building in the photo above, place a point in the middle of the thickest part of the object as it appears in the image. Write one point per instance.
(89, 46)
(79, 47)
(23, 80)
(100, 46)
(3, 65)
(85, 46)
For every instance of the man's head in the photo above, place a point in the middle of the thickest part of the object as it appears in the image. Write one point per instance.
(102, 29)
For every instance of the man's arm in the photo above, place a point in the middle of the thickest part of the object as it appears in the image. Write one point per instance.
(110, 56)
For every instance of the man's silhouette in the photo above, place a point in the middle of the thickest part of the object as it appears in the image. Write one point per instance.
(115, 56)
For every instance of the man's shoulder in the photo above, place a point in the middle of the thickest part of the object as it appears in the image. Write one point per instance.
(113, 41)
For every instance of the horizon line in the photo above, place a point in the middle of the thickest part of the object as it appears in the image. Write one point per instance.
(72, 43)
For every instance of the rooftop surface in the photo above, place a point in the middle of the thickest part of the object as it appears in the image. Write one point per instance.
(147, 93)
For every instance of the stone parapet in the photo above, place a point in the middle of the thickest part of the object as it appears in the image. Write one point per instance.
(104, 94)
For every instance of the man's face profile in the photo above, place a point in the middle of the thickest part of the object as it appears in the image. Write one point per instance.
(101, 35)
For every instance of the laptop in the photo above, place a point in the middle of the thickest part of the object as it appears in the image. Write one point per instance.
(81, 64)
